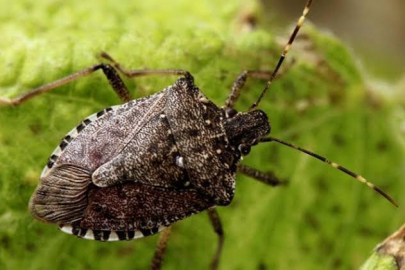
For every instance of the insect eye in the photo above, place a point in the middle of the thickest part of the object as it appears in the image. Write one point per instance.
(244, 149)
(230, 112)
(182, 82)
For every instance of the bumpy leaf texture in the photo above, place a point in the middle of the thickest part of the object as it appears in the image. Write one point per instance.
(321, 220)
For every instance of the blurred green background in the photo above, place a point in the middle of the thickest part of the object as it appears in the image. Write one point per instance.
(372, 29)
(325, 102)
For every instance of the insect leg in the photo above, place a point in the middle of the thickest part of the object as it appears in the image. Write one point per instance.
(241, 80)
(111, 74)
(217, 225)
(145, 72)
(160, 249)
(266, 178)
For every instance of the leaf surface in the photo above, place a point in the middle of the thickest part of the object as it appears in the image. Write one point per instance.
(321, 220)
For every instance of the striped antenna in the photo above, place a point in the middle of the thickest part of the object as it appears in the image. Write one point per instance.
(283, 55)
(334, 165)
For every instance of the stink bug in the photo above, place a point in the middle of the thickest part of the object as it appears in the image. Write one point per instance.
(132, 170)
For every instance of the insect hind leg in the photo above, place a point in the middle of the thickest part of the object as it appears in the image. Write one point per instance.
(157, 259)
(217, 226)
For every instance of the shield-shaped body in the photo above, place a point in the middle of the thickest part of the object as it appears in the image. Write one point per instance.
(130, 170)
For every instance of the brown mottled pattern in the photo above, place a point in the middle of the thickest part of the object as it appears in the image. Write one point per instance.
(207, 172)
(102, 139)
(136, 206)
(148, 163)
(148, 158)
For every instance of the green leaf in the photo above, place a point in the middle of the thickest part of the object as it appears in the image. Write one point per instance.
(380, 262)
(389, 255)
(321, 220)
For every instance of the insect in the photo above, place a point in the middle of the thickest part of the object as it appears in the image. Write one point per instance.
(132, 170)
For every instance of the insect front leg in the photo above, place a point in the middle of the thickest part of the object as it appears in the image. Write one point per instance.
(241, 80)
(217, 226)
(111, 74)
(131, 73)
(266, 178)
(160, 249)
